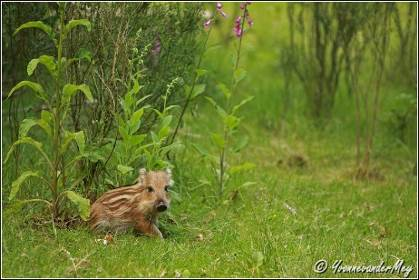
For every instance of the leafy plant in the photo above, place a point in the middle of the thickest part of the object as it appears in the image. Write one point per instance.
(60, 158)
(164, 37)
(134, 148)
(226, 141)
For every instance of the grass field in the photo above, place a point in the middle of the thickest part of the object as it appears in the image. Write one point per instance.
(299, 204)
(279, 227)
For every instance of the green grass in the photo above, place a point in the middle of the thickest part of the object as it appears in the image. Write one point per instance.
(254, 235)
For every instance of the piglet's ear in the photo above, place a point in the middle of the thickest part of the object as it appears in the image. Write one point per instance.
(169, 175)
(169, 172)
(141, 174)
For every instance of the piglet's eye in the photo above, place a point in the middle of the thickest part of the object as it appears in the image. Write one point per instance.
(166, 188)
(150, 189)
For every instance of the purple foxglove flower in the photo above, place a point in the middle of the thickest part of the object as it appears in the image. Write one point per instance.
(219, 9)
(250, 21)
(207, 24)
(238, 31)
(157, 46)
(155, 51)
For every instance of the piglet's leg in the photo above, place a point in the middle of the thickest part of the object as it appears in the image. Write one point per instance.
(148, 228)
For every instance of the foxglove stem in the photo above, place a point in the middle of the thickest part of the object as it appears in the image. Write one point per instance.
(241, 37)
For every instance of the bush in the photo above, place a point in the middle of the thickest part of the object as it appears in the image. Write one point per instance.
(146, 48)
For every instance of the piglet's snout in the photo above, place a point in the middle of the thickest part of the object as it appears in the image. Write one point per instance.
(161, 206)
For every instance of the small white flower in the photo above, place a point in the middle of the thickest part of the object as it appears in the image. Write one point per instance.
(207, 14)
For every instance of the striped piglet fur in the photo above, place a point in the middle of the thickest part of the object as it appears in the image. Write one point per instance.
(136, 206)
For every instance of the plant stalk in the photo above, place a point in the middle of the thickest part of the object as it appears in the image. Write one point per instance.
(188, 98)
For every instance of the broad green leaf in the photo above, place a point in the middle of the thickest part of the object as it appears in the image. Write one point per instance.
(45, 126)
(139, 151)
(187, 90)
(165, 126)
(120, 120)
(47, 116)
(198, 89)
(142, 99)
(46, 121)
(82, 204)
(135, 88)
(78, 137)
(29, 141)
(218, 140)
(76, 22)
(80, 140)
(123, 132)
(164, 131)
(220, 110)
(224, 90)
(135, 120)
(167, 121)
(154, 137)
(46, 60)
(32, 66)
(231, 121)
(91, 156)
(235, 108)
(242, 167)
(168, 108)
(37, 88)
(200, 150)
(68, 137)
(25, 126)
(212, 101)
(127, 103)
(110, 182)
(135, 140)
(239, 75)
(84, 54)
(200, 72)
(171, 147)
(241, 143)
(158, 113)
(70, 90)
(36, 24)
(16, 184)
(122, 127)
(129, 100)
(124, 169)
